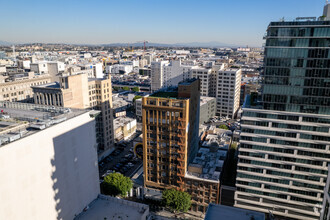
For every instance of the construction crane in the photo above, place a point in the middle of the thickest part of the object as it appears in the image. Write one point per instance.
(144, 48)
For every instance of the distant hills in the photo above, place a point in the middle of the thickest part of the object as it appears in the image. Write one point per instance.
(5, 43)
(191, 44)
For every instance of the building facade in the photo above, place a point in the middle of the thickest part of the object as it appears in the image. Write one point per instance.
(56, 164)
(208, 106)
(284, 147)
(325, 214)
(170, 132)
(18, 88)
(228, 92)
(157, 71)
(175, 73)
(79, 91)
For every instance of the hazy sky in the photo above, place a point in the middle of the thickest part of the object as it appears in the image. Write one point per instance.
(241, 22)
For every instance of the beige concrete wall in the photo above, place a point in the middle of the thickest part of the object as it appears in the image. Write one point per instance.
(52, 174)
(20, 90)
(76, 96)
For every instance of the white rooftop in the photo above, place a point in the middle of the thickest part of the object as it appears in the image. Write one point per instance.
(222, 212)
(107, 207)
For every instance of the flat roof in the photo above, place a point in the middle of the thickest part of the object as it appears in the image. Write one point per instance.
(222, 212)
(107, 207)
(23, 119)
(165, 94)
(211, 164)
(53, 85)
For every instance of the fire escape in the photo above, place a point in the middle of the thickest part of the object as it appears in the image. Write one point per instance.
(182, 152)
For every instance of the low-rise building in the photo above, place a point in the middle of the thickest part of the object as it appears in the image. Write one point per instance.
(53, 68)
(107, 207)
(120, 106)
(217, 137)
(222, 212)
(202, 179)
(17, 87)
(124, 128)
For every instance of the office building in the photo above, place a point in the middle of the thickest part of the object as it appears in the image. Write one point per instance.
(49, 161)
(170, 134)
(79, 91)
(325, 214)
(284, 146)
(17, 87)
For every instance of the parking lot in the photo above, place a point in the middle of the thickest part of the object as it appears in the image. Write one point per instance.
(121, 160)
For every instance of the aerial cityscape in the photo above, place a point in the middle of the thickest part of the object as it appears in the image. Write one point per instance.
(157, 111)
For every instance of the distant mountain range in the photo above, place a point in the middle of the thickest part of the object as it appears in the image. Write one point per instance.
(5, 43)
(192, 44)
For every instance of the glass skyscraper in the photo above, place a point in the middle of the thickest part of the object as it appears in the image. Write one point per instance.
(285, 143)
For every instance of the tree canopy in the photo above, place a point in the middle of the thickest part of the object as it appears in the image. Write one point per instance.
(136, 89)
(125, 88)
(224, 127)
(136, 97)
(176, 200)
(116, 184)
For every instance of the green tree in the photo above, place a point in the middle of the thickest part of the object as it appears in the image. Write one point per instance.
(136, 89)
(136, 97)
(115, 88)
(125, 88)
(224, 127)
(116, 184)
(176, 200)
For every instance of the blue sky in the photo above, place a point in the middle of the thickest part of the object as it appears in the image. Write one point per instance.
(240, 22)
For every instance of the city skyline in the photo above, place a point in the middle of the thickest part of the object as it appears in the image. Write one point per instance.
(227, 23)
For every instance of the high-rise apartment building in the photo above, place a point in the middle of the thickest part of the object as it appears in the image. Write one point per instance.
(222, 83)
(284, 148)
(170, 134)
(157, 70)
(204, 75)
(166, 74)
(174, 73)
(79, 91)
(228, 92)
